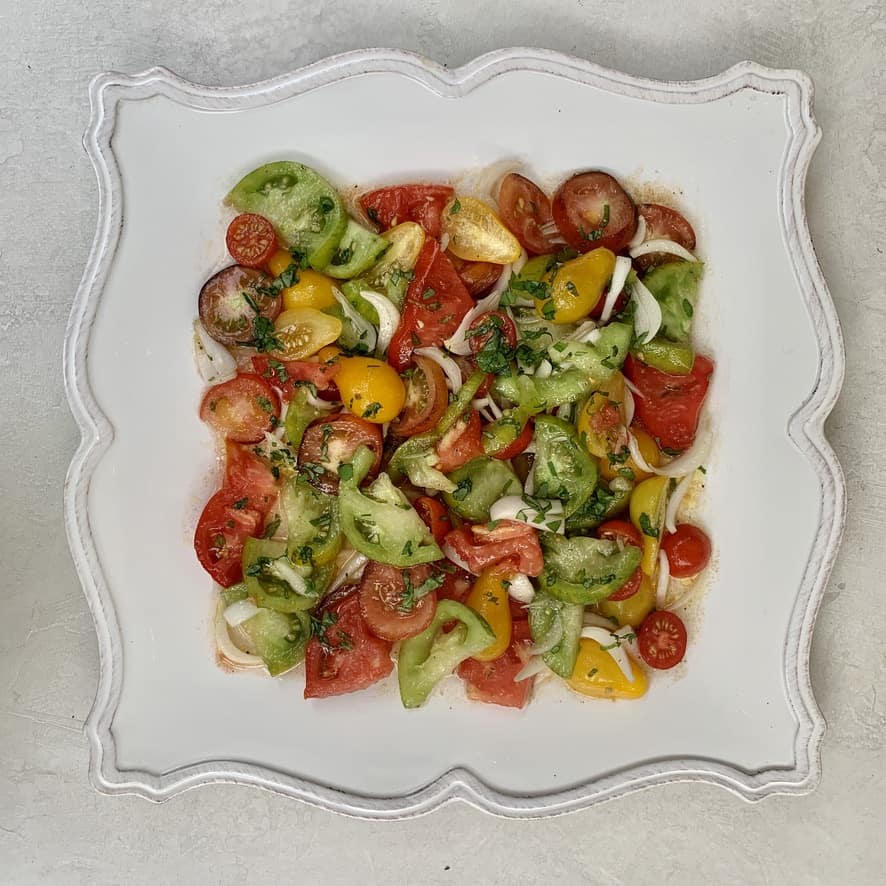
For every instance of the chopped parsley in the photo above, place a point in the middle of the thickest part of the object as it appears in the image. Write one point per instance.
(241, 503)
(265, 404)
(272, 527)
(346, 471)
(647, 526)
(456, 207)
(463, 490)
(320, 628)
(372, 409)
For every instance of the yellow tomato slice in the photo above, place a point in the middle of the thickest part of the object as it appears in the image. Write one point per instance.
(303, 331)
(634, 609)
(370, 388)
(489, 598)
(476, 233)
(648, 502)
(577, 287)
(596, 674)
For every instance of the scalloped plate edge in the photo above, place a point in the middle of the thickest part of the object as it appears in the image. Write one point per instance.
(806, 429)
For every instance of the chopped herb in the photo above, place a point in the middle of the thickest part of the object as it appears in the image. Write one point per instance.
(372, 409)
(346, 471)
(241, 503)
(265, 404)
(647, 526)
(703, 469)
(313, 470)
(305, 554)
(342, 256)
(548, 311)
(673, 453)
(571, 288)
(372, 214)
(326, 204)
(272, 527)
(627, 473)
(538, 289)
(320, 629)
(687, 307)
(597, 232)
(410, 595)
(275, 472)
(591, 672)
(492, 598)
(620, 457)
(456, 207)
(407, 549)
(263, 335)
(463, 490)
(398, 275)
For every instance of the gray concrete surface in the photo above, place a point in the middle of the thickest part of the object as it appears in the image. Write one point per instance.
(53, 827)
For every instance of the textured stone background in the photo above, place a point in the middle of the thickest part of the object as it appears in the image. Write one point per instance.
(53, 827)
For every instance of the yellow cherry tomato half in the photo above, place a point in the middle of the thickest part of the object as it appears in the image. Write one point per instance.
(601, 419)
(303, 331)
(611, 468)
(476, 233)
(596, 674)
(577, 287)
(279, 262)
(406, 241)
(647, 508)
(329, 353)
(313, 290)
(370, 388)
(633, 610)
(489, 598)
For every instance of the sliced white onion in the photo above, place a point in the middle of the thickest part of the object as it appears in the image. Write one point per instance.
(544, 370)
(512, 507)
(446, 363)
(366, 330)
(676, 500)
(214, 361)
(239, 612)
(619, 278)
(521, 588)
(226, 647)
(349, 568)
(637, 455)
(458, 343)
(611, 644)
(592, 619)
(552, 232)
(444, 242)
(485, 181)
(564, 411)
(550, 639)
(451, 554)
(629, 641)
(529, 485)
(663, 581)
(633, 388)
(317, 403)
(647, 316)
(388, 317)
(668, 246)
(639, 234)
(585, 332)
(494, 408)
(532, 668)
(629, 407)
(281, 568)
(685, 464)
(518, 265)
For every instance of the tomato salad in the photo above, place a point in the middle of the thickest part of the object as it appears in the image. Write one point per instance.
(458, 429)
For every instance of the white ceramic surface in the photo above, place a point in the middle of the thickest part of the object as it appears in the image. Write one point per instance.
(737, 148)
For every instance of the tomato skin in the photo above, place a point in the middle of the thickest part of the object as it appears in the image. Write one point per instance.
(671, 404)
(321, 375)
(662, 639)
(338, 670)
(688, 550)
(418, 203)
(525, 209)
(426, 399)
(519, 445)
(382, 590)
(435, 515)
(251, 240)
(512, 543)
(428, 321)
(664, 223)
(330, 448)
(460, 444)
(620, 529)
(478, 276)
(579, 206)
(241, 409)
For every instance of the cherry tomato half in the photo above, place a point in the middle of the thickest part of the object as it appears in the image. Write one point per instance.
(492, 334)
(426, 399)
(418, 203)
(435, 516)
(662, 639)
(461, 443)
(593, 210)
(241, 409)
(387, 602)
(251, 240)
(526, 210)
(519, 445)
(328, 442)
(478, 276)
(228, 301)
(688, 550)
(664, 223)
(621, 529)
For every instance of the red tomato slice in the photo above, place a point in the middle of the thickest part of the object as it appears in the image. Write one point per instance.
(511, 542)
(664, 223)
(519, 445)
(593, 210)
(670, 404)
(328, 442)
(248, 475)
(228, 300)
(225, 524)
(491, 326)
(426, 399)
(478, 276)
(241, 409)
(436, 302)
(526, 210)
(688, 550)
(285, 374)
(435, 515)
(662, 639)
(347, 657)
(419, 203)
(386, 603)
(251, 240)
(492, 682)
(462, 442)
(628, 534)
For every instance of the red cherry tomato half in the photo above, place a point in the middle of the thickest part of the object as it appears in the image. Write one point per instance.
(224, 526)
(435, 516)
(423, 204)
(460, 443)
(226, 304)
(491, 327)
(662, 639)
(251, 240)
(426, 399)
(241, 409)
(621, 529)
(511, 542)
(328, 442)
(347, 656)
(519, 445)
(387, 604)
(664, 223)
(593, 210)
(526, 210)
(688, 550)
(478, 276)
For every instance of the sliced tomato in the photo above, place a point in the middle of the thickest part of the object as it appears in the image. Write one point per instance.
(285, 374)
(669, 405)
(621, 530)
(435, 515)
(526, 210)
(251, 240)
(419, 203)
(662, 639)
(478, 276)
(512, 450)
(511, 542)
(426, 399)
(436, 302)
(347, 656)
(328, 442)
(462, 442)
(241, 409)
(228, 301)
(664, 223)
(492, 336)
(224, 526)
(688, 550)
(593, 210)
(493, 682)
(387, 600)
(247, 475)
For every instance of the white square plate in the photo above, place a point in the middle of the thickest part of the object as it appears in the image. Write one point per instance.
(165, 151)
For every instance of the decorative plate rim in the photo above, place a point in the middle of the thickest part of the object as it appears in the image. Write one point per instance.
(805, 428)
